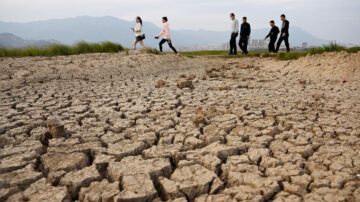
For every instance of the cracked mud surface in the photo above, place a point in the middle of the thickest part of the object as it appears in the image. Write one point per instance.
(145, 127)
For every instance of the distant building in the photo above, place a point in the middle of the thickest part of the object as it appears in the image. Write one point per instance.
(258, 43)
(304, 45)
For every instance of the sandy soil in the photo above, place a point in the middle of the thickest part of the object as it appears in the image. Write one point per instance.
(141, 127)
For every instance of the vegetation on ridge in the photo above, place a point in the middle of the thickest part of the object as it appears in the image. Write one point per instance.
(109, 47)
(58, 49)
(280, 55)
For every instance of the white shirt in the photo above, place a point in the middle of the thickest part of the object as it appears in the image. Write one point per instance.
(138, 29)
(234, 26)
(165, 31)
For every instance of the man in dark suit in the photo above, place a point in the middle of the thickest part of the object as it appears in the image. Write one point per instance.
(245, 31)
(284, 34)
(274, 32)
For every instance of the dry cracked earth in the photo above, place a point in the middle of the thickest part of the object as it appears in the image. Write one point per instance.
(142, 127)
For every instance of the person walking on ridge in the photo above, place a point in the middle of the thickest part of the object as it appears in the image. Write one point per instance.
(167, 36)
(139, 35)
(274, 32)
(234, 34)
(284, 34)
(245, 31)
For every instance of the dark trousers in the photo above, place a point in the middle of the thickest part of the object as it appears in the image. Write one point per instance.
(281, 39)
(233, 47)
(272, 45)
(243, 43)
(169, 43)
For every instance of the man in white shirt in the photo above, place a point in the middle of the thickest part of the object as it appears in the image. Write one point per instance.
(234, 34)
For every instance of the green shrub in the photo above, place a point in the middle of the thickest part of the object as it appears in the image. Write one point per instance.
(110, 47)
(83, 47)
(266, 55)
(59, 49)
(353, 50)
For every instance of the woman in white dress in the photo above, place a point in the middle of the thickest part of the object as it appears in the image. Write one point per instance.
(139, 35)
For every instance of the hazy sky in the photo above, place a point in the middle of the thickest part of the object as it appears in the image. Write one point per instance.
(328, 19)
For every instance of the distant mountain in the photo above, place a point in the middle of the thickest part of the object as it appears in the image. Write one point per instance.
(8, 40)
(96, 29)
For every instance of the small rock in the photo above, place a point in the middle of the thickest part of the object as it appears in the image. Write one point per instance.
(210, 69)
(56, 127)
(198, 118)
(302, 81)
(213, 75)
(160, 84)
(243, 86)
(185, 84)
(191, 77)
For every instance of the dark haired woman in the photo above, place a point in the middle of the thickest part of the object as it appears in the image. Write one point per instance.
(139, 35)
(167, 36)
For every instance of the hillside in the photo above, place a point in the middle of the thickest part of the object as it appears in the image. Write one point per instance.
(8, 40)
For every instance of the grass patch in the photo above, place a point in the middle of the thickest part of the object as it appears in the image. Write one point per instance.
(151, 51)
(109, 47)
(58, 49)
(281, 55)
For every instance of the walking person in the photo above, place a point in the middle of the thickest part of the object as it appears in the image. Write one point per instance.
(167, 36)
(245, 31)
(234, 34)
(284, 33)
(274, 32)
(139, 35)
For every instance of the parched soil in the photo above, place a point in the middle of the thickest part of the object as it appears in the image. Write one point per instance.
(142, 127)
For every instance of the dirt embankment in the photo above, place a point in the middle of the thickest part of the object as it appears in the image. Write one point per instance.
(325, 67)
